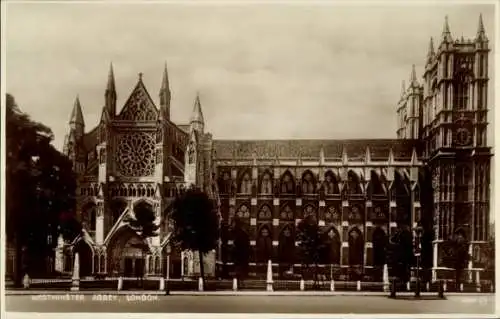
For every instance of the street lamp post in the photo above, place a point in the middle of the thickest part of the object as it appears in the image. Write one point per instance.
(418, 236)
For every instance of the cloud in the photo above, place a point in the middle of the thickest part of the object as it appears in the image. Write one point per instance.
(263, 71)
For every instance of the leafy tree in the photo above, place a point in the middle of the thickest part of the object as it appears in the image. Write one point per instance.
(242, 249)
(196, 223)
(400, 254)
(312, 244)
(144, 224)
(456, 255)
(488, 257)
(41, 188)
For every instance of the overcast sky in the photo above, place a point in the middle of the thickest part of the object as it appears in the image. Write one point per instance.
(262, 70)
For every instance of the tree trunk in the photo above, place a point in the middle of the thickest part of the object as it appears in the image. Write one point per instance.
(202, 268)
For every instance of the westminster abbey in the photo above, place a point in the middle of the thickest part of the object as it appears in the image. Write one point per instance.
(435, 174)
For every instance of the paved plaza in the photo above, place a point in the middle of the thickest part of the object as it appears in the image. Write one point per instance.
(144, 303)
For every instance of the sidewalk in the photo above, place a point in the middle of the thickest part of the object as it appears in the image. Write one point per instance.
(229, 293)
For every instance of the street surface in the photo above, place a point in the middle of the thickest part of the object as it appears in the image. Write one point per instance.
(483, 304)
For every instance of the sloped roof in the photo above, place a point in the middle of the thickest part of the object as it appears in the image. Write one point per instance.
(355, 149)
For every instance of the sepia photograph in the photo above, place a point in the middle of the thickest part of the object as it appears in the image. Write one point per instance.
(236, 158)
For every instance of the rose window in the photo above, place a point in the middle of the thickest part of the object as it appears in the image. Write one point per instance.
(136, 155)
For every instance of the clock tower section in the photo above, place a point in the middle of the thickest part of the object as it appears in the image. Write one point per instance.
(454, 134)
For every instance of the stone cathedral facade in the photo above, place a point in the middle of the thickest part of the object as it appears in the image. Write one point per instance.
(436, 174)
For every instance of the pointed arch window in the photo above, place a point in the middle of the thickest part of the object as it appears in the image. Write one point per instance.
(331, 186)
(333, 246)
(243, 212)
(191, 154)
(308, 183)
(286, 246)
(246, 184)
(462, 90)
(287, 184)
(266, 186)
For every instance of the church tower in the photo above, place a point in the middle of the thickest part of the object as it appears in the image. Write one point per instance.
(73, 142)
(454, 134)
(410, 109)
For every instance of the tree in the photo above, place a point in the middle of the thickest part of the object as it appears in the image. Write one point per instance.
(400, 254)
(312, 244)
(242, 249)
(144, 225)
(488, 257)
(196, 223)
(41, 189)
(456, 255)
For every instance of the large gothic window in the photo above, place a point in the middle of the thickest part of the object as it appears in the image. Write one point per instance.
(375, 187)
(356, 247)
(266, 186)
(353, 184)
(136, 154)
(264, 245)
(246, 184)
(331, 185)
(462, 87)
(287, 184)
(241, 249)
(308, 183)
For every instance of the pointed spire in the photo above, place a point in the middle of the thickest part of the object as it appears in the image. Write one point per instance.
(77, 114)
(111, 79)
(413, 75)
(431, 52)
(197, 120)
(481, 33)
(345, 158)
(403, 88)
(165, 85)
(368, 157)
(446, 36)
(480, 28)
(322, 156)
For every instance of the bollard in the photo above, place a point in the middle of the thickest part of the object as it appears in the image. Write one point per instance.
(393, 289)
(120, 283)
(200, 284)
(427, 286)
(461, 287)
(445, 286)
(302, 284)
(358, 285)
(162, 284)
(441, 289)
(408, 288)
(332, 285)
(26, 281)
(235, 284)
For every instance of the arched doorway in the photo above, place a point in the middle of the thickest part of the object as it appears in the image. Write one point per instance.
(127, 253)
(286, 250)
(85, 255)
